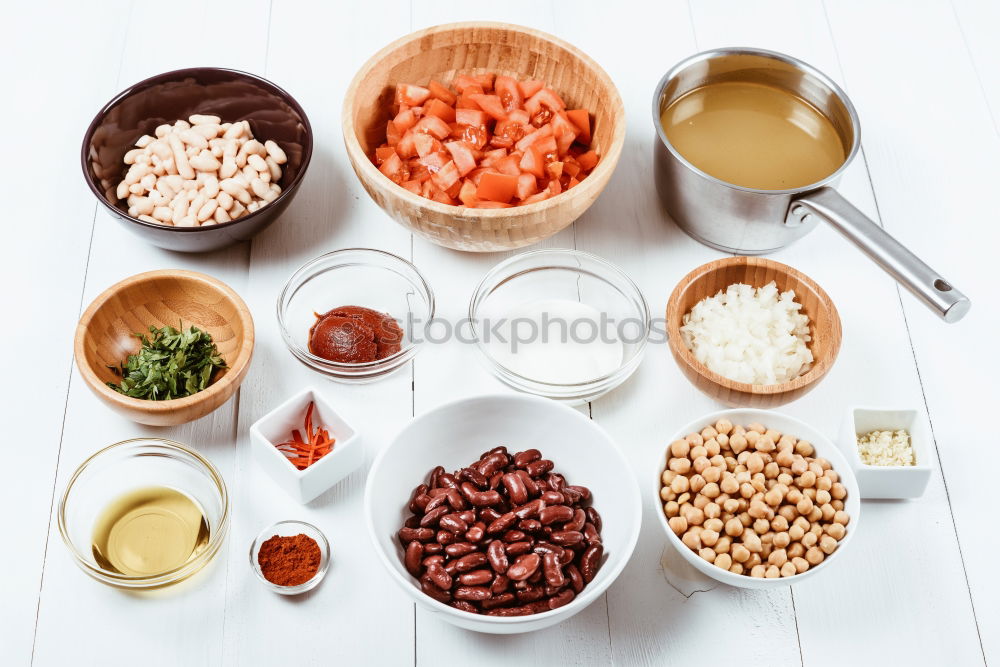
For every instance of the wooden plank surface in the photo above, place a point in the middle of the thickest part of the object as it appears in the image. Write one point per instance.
(915, 586)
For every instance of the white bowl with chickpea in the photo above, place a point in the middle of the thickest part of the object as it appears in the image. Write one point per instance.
(756, 499)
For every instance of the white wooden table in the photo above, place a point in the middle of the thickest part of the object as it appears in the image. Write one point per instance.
(918, 585)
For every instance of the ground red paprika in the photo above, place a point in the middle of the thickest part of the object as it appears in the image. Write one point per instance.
(289, 561)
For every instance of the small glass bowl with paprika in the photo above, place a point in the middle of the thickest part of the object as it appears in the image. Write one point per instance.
(359, 299)
(287, 552)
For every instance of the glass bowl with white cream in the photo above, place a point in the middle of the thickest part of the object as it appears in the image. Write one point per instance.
(560, 323)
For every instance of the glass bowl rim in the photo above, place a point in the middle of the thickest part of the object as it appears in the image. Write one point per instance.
(478, 295)
(168, 576)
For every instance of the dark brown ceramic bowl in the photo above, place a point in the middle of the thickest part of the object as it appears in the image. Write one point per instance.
(165, 98)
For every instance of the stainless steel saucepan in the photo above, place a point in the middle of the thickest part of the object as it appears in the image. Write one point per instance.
(747, 221)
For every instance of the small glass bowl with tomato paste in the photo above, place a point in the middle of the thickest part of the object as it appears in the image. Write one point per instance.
(324, 297)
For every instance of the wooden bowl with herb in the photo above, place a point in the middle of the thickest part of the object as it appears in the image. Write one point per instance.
(165, 347)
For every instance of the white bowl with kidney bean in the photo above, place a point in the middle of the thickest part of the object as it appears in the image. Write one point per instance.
(543, 546)
(756, 499)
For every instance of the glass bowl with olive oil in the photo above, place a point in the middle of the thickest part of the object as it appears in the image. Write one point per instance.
(144, 513)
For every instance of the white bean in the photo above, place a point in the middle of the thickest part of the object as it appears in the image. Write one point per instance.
(233, 187)
(148, 218)
(235, 131)
(122, 190)
(163, 130)
(275, 152)
(257, 162)
(144, 141)
(225, 200)
(180, 157)
(204, 119)
(259, 188)
(228, 167)
(210, 186)
(221, 215)
(132, 155)
(162, 213)
(207, 209)
(209, 131)
(273, 167)
(205, 161)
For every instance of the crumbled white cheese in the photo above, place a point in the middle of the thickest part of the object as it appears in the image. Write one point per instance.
(886, 448)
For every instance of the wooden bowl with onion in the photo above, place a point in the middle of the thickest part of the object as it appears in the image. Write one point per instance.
(104, 339)
(441, 53)
(707, 280)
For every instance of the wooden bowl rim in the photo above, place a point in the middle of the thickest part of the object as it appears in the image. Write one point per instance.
(234, 375)
(820, 367)
(590, 185)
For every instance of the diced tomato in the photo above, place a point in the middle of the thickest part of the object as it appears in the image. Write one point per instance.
(545, 97)
(571, 167)
(507, 133)
(435, 161)
(392, 135)
(476, 136)
(508, 165)
(467, 194)
(425, 144)
(446, 176)
(491, 105)
(554, 169)
(439, 91)
(441, 197)
(406, 146)
(533, 162)
(497, 187)
(462, 154)
(382, 153)
(587, 161)
(547, 145)
(485, 80)
(467, 83)
(541, 196)
(491, 204)
(534, 137)
(411, 95)
(526, 184)
(554, 187)
(404, 120)
(455, 188)
(434, 126)
(465, 102)
(473, 117)
(442, 110)
(530, 86)
(571, 183)
(519, 116)
(412, 186)
(509, 93)
(581, 118)
(490, 158)
(393, 168)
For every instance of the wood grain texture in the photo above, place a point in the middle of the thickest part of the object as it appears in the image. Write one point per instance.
(105, 337)
(442, 52)
(708, 280)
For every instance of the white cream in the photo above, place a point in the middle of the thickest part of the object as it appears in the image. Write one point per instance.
(556, 341)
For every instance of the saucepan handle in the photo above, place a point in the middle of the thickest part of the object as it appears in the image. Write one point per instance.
(924, 282)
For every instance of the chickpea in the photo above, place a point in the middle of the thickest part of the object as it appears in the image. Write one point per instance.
(795, 533)
(788, 512)
(713, 448)
(801, 565)
(788, 569)
(711, 490)
(719, 461)
(671, 508)
(837, 504)
(803, 448)
(683, 498)
(746, 490)
(701, 502)
(680, 465)
(779, 524)
(822, 497)
(806, 479)
(786, 442)
(667, 476)
(712, 511)
(758, 571)
(765, 551)
(724, 426)
(761, 526)
(734, 527)
(678, 524)
(666, 494)
(816, 513)
(793, 496)
(731, 505)
(803, 523)
(759, 484)
(723, 545)
(754, 561)
(745, 519)
(824, 483)
(708, 433)
(697, 452)
(680, 448)
(782, 540)
(691, 540)
(767, 539)
(729, 484)
(752, 542)
(785, 480)
(737, 568)
(784, 458)
(724, 561)
(700, 464)
(723, 441)
(772, 470)
(772, 572)
(809, 493)
(773, 497)
(713, 524)
(738, 443)
(765, 444)
(836, 531)
(712, 474)
(710, 537)
(804, 506)
(758, 510)
(817, 530)
(707, 554)
(833, 476)
(841, 517)
(809, 540)
(755, 463)
(798, 466)
(757, 427)
(815, 468)
(796, 550)
(838, 491)
(680, 484)
(743, 476)
(752, 437)
(694, 439)
(827, 544)
(777, 557)
(695, 483)
(740, 553)
(815, 556)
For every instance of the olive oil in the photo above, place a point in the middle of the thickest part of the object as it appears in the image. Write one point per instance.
(753, 135)
(149, 531)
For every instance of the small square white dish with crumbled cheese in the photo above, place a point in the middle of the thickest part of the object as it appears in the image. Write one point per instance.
(889, 450)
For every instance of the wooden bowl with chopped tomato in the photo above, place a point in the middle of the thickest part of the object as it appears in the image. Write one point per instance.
(483, 136)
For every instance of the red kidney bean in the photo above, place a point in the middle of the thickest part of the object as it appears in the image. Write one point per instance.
(590, 561)
(518, 548)
(476, 577)
(454, 524)
(497, 557)
(594, 518)
(479, 498)
(438, 576)
(522, 459)
(561, 599)
(529, 594)
(407, 535)
(433, 548)
(498, 601)
(412, 521)
(447, 481)
(553, 570)
(476, 593)
(509, 611)
(428, 587)
(500, 584)
(475, 477)
(430, 560)
(492, 463)
(578, 520)
(553, 498)
(468, 516)
(568, 555)
(572, 497)
(450, 568)
(543, 547)
(476, 532)
(567, 538)
(524, 567)
(435, 474)
(530, 525)
(529, 483)
(591, 533)
(555, 514)
(575, 578)
(459, 549)
(531, 509)
(539, 467)
(412, 558)
(502, 523)
(495, 480)
(470, 561)
(431, 518)
(555, 481)
(582, 490)
(516, 489)
(456, 500)
(464, 606)
(417, 492)
(496, 450)
(488, 515)
(445, 537)
(514, 536)
(436, 502)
